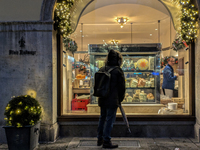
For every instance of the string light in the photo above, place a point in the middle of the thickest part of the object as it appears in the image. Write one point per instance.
(62, 17)
(188, 19)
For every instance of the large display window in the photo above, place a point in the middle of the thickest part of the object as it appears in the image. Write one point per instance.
(143, 63)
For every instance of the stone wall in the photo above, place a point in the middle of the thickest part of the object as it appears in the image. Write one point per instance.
(197, 85)
(31, 69)
(20, 10)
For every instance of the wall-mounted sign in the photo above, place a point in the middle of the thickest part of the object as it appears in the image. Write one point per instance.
(21, 52)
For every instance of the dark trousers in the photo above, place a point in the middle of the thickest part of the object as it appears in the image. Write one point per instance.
(106, 120)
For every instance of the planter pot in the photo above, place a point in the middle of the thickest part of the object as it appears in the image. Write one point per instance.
(23, 138)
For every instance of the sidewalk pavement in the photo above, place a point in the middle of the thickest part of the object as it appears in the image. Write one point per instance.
(81, 143)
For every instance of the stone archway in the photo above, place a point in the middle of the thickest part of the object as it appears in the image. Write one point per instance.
(47, 10)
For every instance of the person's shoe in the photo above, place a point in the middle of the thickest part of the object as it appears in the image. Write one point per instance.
(108, 144)
(99, 142)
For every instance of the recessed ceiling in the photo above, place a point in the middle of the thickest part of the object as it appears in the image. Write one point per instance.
(100, 24)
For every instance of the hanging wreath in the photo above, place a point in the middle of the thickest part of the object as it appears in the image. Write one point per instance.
(164, 61)
(178, 44)
(70, 45)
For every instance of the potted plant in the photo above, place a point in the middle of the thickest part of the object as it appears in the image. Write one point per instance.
(23, 115)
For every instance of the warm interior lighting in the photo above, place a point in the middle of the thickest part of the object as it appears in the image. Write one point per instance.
(122, 21)
(115, 42)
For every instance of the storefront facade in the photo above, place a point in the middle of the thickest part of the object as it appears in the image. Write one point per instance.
(32, 61)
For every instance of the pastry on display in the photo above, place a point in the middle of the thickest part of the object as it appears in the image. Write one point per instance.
(129, 99)
(148, 84)
(134, 82)
(137, 92)
(143, 97)
(142, 64)
(152, 82)
(127, 84)
(150, 96)
(141, 82)
(136, 98)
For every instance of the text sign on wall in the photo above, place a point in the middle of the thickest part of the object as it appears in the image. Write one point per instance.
(21, 52)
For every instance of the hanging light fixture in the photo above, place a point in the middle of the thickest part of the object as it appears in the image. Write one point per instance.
(114, 42)
(122, 21)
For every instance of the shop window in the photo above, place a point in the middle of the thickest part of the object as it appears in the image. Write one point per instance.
(143, 64)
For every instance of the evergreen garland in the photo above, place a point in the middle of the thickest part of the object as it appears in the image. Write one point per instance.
(62, 17)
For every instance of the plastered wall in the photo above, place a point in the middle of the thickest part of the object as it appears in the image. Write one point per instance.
(20, 10)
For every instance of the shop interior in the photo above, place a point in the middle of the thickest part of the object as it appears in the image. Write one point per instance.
(122, 26)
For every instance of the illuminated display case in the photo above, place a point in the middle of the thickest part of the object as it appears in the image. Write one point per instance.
(141, 66)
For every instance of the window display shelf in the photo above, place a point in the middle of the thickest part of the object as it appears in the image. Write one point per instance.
(140, 87)
(81, 90)
(138, 71)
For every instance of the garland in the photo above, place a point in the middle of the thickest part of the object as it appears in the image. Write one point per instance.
(62, 17)
(70, 45)
(189, 24)
(164, 61)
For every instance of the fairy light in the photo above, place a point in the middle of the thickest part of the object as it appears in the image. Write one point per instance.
(62, 17)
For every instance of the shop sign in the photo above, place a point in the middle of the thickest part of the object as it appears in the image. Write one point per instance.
(21, 52)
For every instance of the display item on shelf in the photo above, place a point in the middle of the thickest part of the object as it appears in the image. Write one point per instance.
(150, 96)
(129, 99)
(134, 82)
(172, 106)
(179, 101)
(142, 64)
(148, 84)
(143, 97)
(127, 83)
(151, 63)
(136, 98)
(141, 82)
(152, 82)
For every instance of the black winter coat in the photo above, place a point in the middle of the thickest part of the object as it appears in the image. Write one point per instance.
(117, 87)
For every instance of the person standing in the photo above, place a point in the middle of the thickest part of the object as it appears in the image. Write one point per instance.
(110, 104)
(169, 78)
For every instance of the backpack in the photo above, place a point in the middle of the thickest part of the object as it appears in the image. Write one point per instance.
(102, 82)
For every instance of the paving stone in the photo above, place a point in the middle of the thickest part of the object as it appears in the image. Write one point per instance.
(182, 140)
(3, 146)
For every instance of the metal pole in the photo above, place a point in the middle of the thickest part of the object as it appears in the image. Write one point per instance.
(81, 36)
(170, 36)
(131, 32)
(158, 31)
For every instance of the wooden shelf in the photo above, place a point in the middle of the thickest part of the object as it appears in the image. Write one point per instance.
(81, 90)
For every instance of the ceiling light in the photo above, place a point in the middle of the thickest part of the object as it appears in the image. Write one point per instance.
(114, 42)
(156, 29)
(150, 34)
(122, 21)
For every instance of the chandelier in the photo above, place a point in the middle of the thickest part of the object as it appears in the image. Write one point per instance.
(122, 21)
(114, 42)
